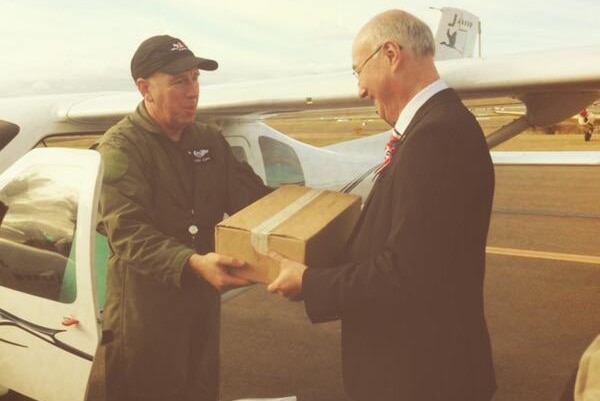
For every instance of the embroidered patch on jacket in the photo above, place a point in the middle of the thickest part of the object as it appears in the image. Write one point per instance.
(200, 155)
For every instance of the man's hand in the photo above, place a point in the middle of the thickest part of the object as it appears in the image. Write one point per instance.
(289, 281)
(216, 269)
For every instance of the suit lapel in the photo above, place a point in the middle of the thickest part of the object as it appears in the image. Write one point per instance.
(443, 96)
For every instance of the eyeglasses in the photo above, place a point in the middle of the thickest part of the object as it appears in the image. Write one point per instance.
(356, 71)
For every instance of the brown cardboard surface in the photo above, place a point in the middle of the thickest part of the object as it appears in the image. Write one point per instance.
(314, 235)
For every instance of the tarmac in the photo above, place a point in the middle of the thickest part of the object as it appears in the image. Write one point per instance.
(541, 306)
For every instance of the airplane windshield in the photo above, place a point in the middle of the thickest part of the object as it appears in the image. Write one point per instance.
(282, 165)
(37, 255)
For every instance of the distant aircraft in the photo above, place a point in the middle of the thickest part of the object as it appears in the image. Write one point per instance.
(52, 259)
(586, 121)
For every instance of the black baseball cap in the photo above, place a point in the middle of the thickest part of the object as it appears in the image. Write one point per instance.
(165, 53)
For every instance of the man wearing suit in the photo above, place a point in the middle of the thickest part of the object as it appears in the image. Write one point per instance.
(409, 291)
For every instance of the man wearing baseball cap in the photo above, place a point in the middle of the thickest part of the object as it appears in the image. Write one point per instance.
(168, 180)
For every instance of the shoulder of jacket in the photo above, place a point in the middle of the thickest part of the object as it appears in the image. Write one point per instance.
(122, 145)
(122, 135)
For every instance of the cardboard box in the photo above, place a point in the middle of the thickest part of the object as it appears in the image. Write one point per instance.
(303, 224)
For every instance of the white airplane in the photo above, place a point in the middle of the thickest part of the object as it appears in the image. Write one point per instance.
(584, 118)
(52, 260)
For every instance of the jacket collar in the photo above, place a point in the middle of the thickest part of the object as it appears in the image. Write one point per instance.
(412, 107)
(440, 97)
(142, 119)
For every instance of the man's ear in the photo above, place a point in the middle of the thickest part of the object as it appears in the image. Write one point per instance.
(393, 53)
(143, 86)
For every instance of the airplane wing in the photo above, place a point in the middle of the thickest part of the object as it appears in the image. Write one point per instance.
(554, 85)
(563, 158)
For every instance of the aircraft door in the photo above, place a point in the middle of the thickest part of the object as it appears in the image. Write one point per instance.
(49, 319)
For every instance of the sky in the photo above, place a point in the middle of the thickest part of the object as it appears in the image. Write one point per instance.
(64, 46)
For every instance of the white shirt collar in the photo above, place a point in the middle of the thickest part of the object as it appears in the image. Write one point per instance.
(411, 108)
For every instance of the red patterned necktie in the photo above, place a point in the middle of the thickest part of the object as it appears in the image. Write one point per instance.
(390, 149)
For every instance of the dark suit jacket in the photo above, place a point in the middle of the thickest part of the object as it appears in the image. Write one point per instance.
(410, 293)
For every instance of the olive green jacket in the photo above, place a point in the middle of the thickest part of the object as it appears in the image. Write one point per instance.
(159, 204)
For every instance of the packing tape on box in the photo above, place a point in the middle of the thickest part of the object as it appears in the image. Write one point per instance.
(259, 235)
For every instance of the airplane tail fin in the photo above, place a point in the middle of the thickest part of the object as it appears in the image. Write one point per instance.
(456, 34)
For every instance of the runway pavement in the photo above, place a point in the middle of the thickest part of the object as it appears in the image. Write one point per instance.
(542, 311)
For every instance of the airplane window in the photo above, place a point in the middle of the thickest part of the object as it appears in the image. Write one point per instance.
(7, 132)
(239, 153)
(37, 255)
(75, 140)
(282, 165)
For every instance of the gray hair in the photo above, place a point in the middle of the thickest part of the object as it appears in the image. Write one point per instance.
(403, 28)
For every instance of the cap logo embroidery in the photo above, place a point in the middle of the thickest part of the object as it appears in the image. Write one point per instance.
(178, 47)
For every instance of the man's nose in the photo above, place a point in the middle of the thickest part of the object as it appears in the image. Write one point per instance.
(194, 89)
